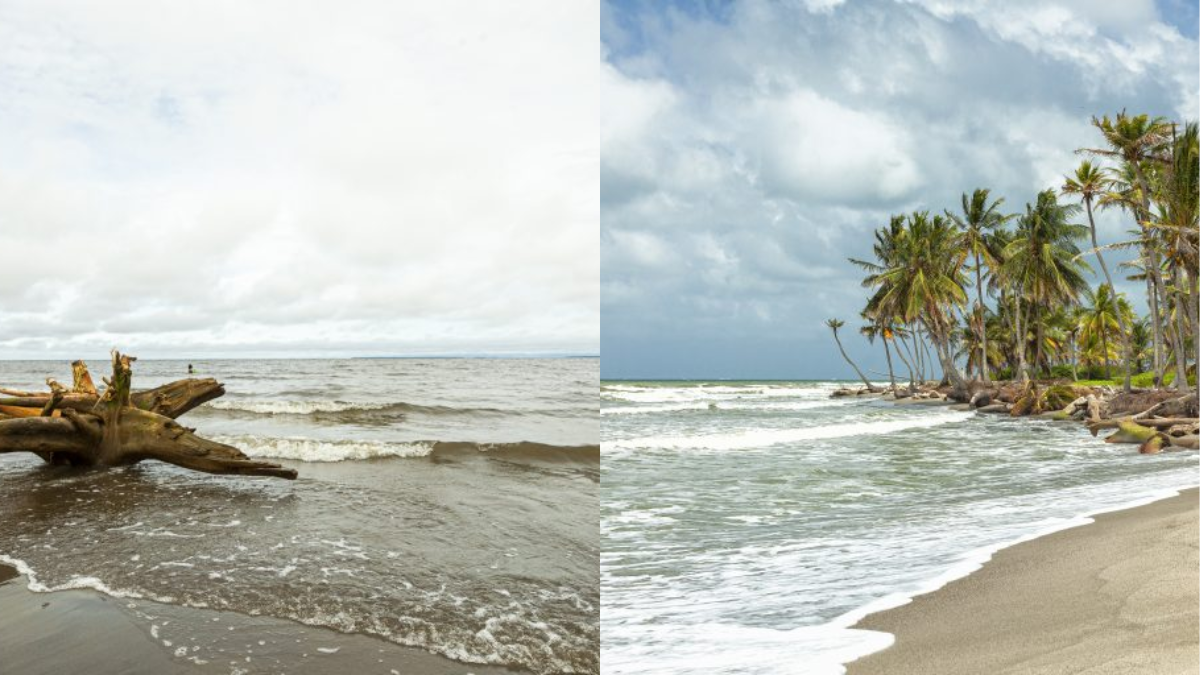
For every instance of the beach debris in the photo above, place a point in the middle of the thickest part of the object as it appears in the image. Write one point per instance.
(1189, 442)
(1155, 420)
(1056, 400)
(1129, 431)
(81, 426)
(1153, 445)
(1001, 408)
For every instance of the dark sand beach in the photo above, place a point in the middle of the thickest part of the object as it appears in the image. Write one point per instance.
(85, 631)
(1115, 596)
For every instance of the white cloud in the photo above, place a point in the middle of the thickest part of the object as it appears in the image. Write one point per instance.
(367, 176)
(814, 149)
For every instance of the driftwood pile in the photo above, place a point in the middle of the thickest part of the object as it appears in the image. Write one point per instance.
(1155, 419)
(81, 426)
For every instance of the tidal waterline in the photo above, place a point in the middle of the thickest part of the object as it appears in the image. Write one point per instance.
(444, 504)
(747, 525)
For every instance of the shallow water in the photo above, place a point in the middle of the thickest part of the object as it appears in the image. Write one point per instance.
(747, 525)
(446, 504)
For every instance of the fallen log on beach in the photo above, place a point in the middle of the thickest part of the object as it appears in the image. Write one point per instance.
(83, 427)
(1158, 423)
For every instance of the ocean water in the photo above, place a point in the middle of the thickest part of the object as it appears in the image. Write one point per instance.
(748, 525)
(444, 504)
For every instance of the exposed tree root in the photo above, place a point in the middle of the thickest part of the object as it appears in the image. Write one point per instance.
(118, 426)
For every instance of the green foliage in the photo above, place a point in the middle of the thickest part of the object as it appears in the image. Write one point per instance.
(1140, 381)
(1058, 397)
(1061, 371)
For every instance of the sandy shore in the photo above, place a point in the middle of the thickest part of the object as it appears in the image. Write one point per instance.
(84, 631)
(1117, 596)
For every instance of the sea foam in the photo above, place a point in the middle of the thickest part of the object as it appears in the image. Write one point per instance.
(311, 450)
(761, 438)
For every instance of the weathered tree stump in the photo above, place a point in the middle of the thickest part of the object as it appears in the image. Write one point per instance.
(84, 427)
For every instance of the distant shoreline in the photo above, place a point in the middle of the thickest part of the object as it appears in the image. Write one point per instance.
(198, 359)
(706, 380)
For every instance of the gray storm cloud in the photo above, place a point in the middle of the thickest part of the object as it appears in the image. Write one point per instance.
(749, 151)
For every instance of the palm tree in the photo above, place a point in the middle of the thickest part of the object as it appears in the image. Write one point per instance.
(1103, 316)
(978, 218)
(1139, 340)
(1041, 263)
(1135, 140)
(1179, 237)
(1089, 182)
(919, 280)
(834, 325)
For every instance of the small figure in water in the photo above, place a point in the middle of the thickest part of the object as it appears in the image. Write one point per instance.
(190, 371)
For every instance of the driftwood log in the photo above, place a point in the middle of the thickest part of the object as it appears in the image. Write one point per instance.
(83, 427)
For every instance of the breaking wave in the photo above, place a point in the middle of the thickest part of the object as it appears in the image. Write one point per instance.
(760, 438)
(313, 450)
(339, 407)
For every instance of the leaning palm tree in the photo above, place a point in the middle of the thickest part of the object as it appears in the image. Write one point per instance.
(1090, 183)
(834, 325)
(977, 220)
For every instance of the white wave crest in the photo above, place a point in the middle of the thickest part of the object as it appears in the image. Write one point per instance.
(291, 407)
(761, 438)
(729, 405)
(312, 450)
(634, 394)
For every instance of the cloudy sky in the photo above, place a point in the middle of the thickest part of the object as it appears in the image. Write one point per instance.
(272, 177)
(749, 148)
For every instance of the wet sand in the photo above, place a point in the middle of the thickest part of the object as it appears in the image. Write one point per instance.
(85, 631)
(1116, 596)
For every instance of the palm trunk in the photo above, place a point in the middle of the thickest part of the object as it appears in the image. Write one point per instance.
(1156, 328)
(1074, 361)
(925, 339)
(1020, 344)
(891, 374)
(949, 371)
(1037, 346)
(1125, 334)
(1104, 346)
(1180, 339)
(862, 377)
(1154, 278)
(912, 375)
(983, 364)
(916, 349)
(1194, 283)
